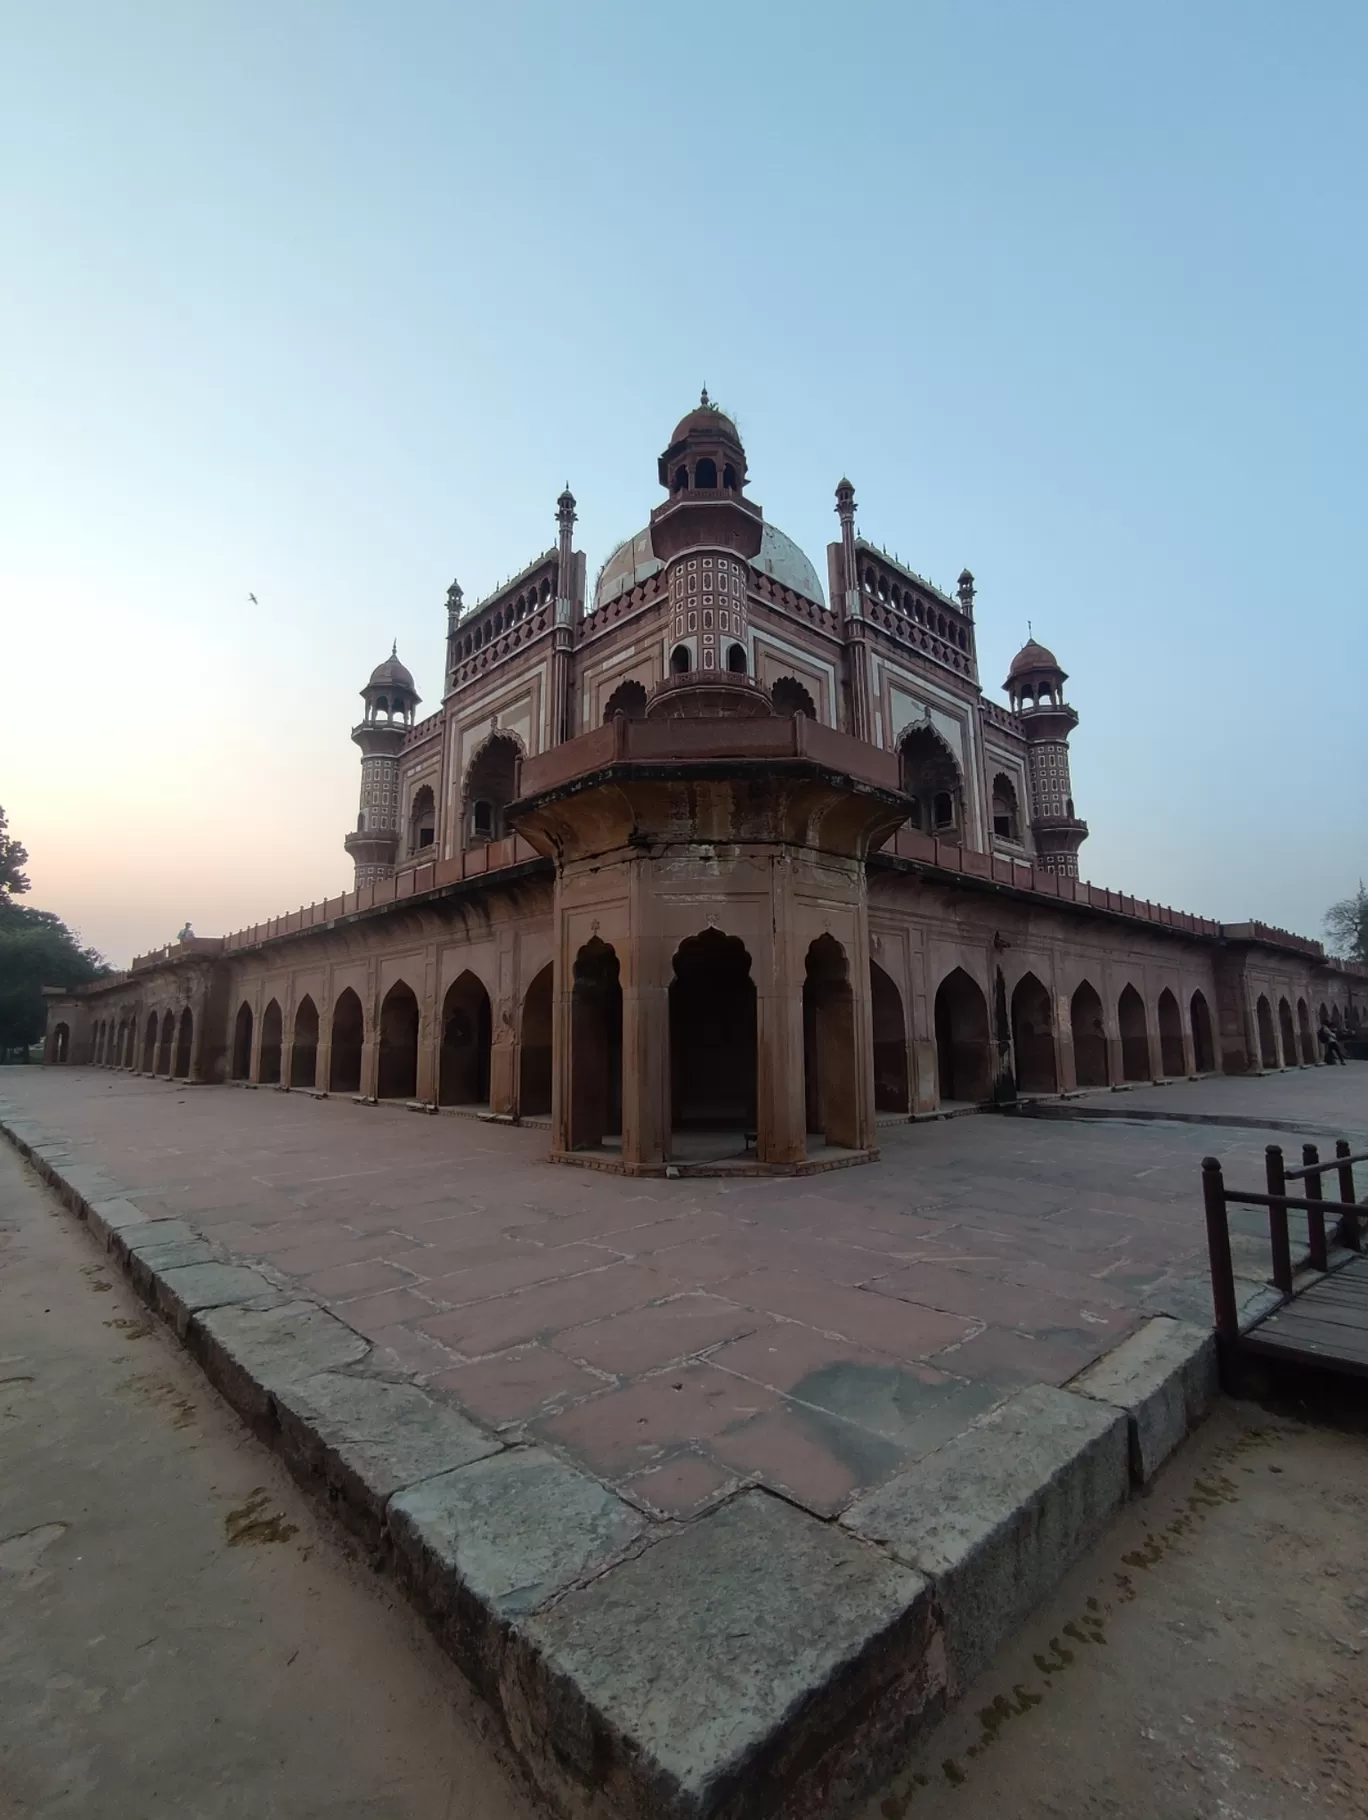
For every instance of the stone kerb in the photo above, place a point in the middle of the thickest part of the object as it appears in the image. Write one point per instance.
(757, 1661)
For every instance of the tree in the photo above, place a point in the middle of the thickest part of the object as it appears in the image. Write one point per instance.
(36, 950)
(13, 857)
(1346, 926)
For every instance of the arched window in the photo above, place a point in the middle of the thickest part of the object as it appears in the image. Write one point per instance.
(705, 473)
(491, 784)
(931, 777)
(736, 660)
(628, 698)
(422, 820)
(680, 660)
(729, 478)
(1006, 815)
(681, 481)
(790, 697)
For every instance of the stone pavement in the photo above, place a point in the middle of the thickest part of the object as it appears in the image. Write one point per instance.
(611, 1493)
(680, 1339)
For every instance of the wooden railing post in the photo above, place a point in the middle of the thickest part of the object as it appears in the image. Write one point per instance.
(1277, 1219)
(1350, 1226)
(1218, 1249)
(1315, 1216)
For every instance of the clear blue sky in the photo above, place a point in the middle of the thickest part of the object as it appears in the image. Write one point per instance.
(324, 302)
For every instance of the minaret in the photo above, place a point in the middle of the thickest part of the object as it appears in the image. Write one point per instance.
(852, 620)
(1035, 685)
(390, 699)
(563, 631)
(706, 534)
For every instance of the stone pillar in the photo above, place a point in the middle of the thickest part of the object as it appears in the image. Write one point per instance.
(781, 1100)
(503, 1011)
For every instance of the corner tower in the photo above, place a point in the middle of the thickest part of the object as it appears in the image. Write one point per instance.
(1035, 686)
(390, 699)
(706, 534)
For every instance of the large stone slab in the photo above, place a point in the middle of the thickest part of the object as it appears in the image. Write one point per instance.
(494, 1541)
(251, 1354)
(188, 1289)
(115, 1215)
(758, 1662)
(996, 1516)
(357, 1438)
(1165, 1378)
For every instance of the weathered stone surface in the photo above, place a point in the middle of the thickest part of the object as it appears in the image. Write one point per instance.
(114, 1215)
(149, 1250)
(1164, 1377)
(997, 1515)
(495, 1540)
(251, 1353)
(360, 1438)
(184, 1291)
(153, 1238)
(716, 1673)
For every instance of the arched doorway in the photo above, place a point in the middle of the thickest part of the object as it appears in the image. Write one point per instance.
(398, 1043)
(1033, 1037)
(1268, 1042)
(1089, 1037)
(1135, 1050)
(1203, 1047)
(61, 1044)
(534, 1057)
(713, 1055)
(595, 1046)
(1308, 1042)
(891, 1074)
(242, 1042)
(149, 1055)
(964, 1064)
(1171, 1057)
(97, 1047)
(168, 1034)
(831, 1077)
(272, 1036)
(467, 1032)
(348, 1036)
(304, 1050)
(931, 777)
(1289, 1034)
(185, 1032)
(491, 783)
(422, 830)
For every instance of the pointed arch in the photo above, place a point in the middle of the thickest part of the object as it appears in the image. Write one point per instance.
(467, 1034)
(1203, 1045)
(399, 1021)
(534, 1047)
(830, 1065)
(964, 1067)
(1033, 1043)
(422, 825)
(1136, 1064)
(931, 776)
(490, 784)
(891, 1073)
(304, 1049)
(242, 1042)
(1268, 1041)
(1006, 809)
(628, 698)
(713, 1035)
(790, 697)
(348, 1038)
(1089, 1036)
(185, 1037)
(272, 1040)
(595, 1046)
(1172, 1060)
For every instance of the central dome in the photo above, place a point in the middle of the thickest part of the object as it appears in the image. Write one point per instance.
(634, 562)
(705, 418)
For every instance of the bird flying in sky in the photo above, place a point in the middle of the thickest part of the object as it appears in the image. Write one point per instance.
(253, 599)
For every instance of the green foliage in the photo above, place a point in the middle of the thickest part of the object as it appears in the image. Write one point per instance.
(13, 857)
(1346, 927)
(36, 950)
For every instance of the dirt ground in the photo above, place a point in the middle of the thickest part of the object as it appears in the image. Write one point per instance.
(180, 1637)
(1206, 1662)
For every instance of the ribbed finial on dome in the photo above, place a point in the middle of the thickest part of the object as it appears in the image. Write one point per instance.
(704, 402)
